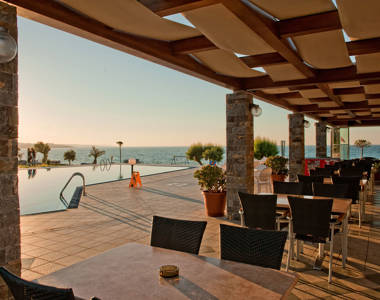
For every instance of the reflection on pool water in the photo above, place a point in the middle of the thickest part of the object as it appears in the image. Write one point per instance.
(39, 188)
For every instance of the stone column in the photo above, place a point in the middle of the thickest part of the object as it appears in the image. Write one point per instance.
(239, 149)
(296, 146)
(320, 139)
(9, 204)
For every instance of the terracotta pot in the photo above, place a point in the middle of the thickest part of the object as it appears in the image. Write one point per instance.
(278, 177)
(215, 203)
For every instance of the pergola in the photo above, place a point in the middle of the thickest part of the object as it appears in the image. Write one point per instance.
(318, 58)
(300, 45)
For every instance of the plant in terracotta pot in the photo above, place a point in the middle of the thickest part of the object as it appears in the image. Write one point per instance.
(278, 165)
(212, 180)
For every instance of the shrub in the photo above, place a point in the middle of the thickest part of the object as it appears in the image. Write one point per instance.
(44, 149)
(264, 148)
(211, 178)
(278, 164)
(197, 152)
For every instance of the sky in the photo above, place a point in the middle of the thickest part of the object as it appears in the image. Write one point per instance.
(74, 91)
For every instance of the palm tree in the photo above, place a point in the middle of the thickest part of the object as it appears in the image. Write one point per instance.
(95, 152)
(362, 144)
(120, 143)
(69, 156)
(44, 149)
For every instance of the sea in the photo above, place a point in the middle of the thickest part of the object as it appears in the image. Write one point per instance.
(164, 155)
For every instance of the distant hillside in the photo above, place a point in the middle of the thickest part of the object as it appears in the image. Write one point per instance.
(29, 145)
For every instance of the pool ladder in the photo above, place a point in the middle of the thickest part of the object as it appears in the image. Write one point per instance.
(62, 198)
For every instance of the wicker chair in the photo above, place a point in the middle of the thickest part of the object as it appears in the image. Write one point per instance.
(322, 172)
(256, 247)
(25, 290)
(352, 172)
(290, 188)
(308, 183)
(353, 183)
(311, 221)
(259, 211)
(332, 190)
(180, 235)
(264, 178)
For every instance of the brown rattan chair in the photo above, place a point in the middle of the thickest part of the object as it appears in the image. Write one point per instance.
(259, 211)
(311, 221)
(290, 188)
(25, 290)
(180, 235)
(332, 190)
(308, 183)
(352, 182)
(256, 247)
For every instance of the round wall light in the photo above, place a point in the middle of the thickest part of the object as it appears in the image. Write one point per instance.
(256, 110)
(306, 123)
(8, 46)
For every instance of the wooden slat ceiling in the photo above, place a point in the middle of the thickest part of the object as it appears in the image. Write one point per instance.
(299, 46)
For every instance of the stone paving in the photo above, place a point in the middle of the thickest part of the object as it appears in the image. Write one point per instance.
(112, 214)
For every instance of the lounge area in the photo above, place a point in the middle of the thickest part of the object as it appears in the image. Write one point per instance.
(111, 215)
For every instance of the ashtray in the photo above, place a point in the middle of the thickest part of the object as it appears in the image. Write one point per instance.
(168, 271)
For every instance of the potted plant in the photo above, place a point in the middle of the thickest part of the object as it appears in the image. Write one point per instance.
(278, 165)
(212, 180)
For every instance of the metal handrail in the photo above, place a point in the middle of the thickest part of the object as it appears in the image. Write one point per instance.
(67, 183)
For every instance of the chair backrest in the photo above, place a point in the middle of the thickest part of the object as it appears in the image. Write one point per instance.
(353, 183)
(308, 183)
(265, 174)
(291, 188)
(310, 179)
(25, 290)
(331, 190)
(256, 247)
(259, 210)
(322, 172)
(352, 172)
(332, 167)
(311, 218)
(180, 235)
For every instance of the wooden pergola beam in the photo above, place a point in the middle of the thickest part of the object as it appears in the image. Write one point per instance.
(353, 106)
(323, 76)
(360, 118)
(261, 60)
(156, 51)
(309, 24)
(349, 91)
(367, 123)
(265, 28)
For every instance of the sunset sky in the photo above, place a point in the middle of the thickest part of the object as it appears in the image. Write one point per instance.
(74, 91)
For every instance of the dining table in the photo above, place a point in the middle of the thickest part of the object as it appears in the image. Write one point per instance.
(131, 271)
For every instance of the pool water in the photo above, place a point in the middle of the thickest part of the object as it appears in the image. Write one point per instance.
(39, 188)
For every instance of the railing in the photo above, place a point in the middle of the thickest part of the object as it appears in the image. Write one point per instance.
(179, 158)
(105, 164)
(62, 198)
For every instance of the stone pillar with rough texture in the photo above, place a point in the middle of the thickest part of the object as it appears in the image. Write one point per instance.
(9, 204)
(239, 150)
(296, 145)
(320, 139)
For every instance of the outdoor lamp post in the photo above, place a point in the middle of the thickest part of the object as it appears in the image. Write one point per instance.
(8, 46)
(120, 143)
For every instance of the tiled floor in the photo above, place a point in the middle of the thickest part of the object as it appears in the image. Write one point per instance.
(112, 214)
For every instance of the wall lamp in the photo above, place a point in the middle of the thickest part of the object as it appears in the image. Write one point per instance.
(8, 46)
(256, 110)
(306, 123)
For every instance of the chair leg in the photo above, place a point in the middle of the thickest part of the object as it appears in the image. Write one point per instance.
(298, 249)
(290, 250)
(331, 253)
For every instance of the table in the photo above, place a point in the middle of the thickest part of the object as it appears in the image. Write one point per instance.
(340, 206)
(131, 271)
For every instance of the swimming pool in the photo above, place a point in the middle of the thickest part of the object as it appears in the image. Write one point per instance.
(39, 188)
